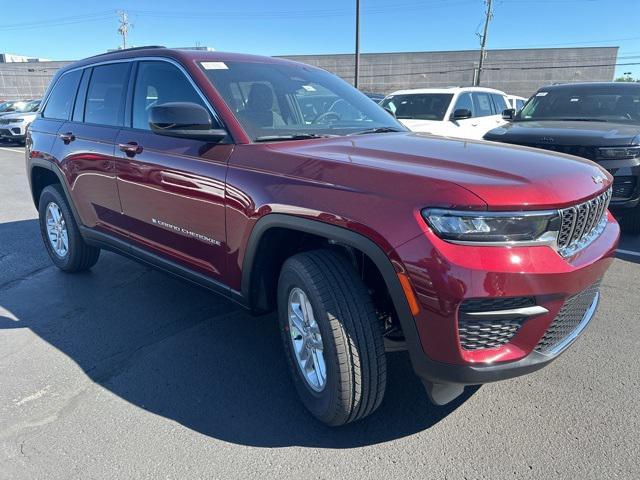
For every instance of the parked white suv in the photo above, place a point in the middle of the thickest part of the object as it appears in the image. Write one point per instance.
(464, 112)
(13, 126)
(516, 102)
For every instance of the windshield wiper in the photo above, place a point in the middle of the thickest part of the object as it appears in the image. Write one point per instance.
(296, 136)
(377, 130)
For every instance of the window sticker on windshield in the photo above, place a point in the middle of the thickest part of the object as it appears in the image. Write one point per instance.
(575, 100)
(214, 65)
(541, 94)
(308, 88)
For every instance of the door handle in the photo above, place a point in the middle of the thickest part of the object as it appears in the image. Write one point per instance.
(131, 148)
(67, 137)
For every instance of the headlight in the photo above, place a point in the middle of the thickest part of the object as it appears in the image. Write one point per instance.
(494, 227)
(618, 153)
(16, 120)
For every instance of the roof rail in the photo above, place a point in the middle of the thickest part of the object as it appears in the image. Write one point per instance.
(145, 47)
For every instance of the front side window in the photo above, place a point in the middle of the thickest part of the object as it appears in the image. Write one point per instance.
(464, 102)
(482, 104)
(500, 103)
(419, 106)
(62, 96)
(158, 83)
(613, 104)
(519, 104)
(105, 96)
(275, 101)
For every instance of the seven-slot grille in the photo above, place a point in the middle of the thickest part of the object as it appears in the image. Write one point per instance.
(581, 222)
(568, 319)
(478, 333)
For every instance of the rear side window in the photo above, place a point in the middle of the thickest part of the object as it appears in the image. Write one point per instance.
(62, 96)
(519, 104)
(482, 104)
(105, 98)
(158, 83)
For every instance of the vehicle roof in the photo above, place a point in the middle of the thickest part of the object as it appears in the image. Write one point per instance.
(180, 55)
(593, 85)
(415, 91)
(517, 97)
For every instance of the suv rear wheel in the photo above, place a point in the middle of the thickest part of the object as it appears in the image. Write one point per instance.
(60, 233)
(332, 337)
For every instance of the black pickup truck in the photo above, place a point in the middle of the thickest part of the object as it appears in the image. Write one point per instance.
(597, 121)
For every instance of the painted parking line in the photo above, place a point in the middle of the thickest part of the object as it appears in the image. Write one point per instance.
(628, 252)
(16, 150)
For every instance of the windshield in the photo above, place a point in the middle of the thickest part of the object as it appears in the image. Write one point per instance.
(7, 107)
(23, 107)
(583, 104)
(278, 101)
(423, 106)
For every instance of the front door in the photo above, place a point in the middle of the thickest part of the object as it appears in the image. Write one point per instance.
(172, 190)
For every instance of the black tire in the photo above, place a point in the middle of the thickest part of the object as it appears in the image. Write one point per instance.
(353, 349)
(630, 221)
(79, 256)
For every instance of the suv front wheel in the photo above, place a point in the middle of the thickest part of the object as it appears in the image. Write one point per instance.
(332, 337)
(66, 247)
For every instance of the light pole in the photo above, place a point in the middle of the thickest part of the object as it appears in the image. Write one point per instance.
(357, 64)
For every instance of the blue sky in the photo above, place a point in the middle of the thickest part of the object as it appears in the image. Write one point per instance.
(279, 27)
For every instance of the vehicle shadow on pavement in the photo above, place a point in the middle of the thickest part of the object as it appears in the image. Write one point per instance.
(186, 354)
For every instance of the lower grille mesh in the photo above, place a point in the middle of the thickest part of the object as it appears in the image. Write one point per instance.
(568, 318)
(476, 333)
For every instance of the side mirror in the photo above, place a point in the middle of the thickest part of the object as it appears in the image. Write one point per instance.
(389, 111)
(184, 120)
(508, 114)
(461, 114)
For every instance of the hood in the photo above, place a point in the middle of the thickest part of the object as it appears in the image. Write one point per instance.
(586, 134)
(503, 176)
(28, 116)
(421, 125)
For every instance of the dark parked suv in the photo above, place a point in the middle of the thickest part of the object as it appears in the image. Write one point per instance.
(283, 188)
(598, 121)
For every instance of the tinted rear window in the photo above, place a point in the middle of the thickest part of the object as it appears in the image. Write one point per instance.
(105, 97)
(62, 96)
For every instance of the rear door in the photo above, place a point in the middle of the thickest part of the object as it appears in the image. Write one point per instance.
(485, 111)
(172, 189)
(86, 145)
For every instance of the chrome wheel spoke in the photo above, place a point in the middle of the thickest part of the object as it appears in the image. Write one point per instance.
(57, 230)
(306, 340)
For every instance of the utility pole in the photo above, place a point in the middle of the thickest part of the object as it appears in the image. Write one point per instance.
(123, 29)
(483, 40)
(356, 76)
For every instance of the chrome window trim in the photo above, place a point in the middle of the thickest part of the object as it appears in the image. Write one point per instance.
(177, 64)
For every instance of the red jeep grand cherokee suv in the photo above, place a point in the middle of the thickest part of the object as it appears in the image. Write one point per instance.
(282, 187)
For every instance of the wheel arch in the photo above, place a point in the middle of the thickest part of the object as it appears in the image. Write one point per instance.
(251, 290)
(43, 173)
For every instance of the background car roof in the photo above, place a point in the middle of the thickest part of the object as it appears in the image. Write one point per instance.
(415, 91)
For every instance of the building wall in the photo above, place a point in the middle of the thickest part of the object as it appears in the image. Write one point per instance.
(518, 72)
(24, 81)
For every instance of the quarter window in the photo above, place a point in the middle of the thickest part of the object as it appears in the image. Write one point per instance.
(158, 83)
(106, 94)
(61, 99)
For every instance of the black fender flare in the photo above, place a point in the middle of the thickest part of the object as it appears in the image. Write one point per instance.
(38, 162)
(348, 238)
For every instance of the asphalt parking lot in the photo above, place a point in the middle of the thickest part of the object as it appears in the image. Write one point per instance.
(126, 372)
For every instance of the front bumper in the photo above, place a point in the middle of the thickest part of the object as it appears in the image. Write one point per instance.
(444, 275)
(626, 183)
(13, 131)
